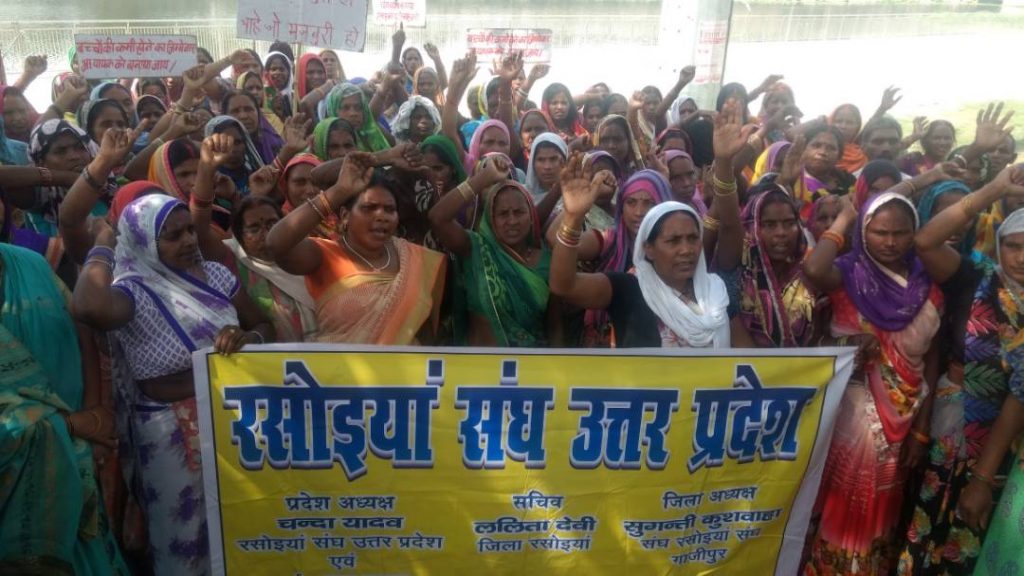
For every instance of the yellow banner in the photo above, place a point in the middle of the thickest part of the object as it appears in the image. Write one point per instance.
(330, 460)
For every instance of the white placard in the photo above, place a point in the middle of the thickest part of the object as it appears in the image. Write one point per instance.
(490, 43)
(709, 54)
(411, 13)
(337, 24)
(102, 56)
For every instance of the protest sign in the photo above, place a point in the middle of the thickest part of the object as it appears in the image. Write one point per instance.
(412, 13)
(490, 43)
(371, 460)
(102, 56)
(709, 53)
(337, 24)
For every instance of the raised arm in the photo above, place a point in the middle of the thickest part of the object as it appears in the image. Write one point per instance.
(94, 302)
(579, 190)
(181, 125)
(33, 68)
(296, 139)
(819, 268)
(213, 153)
(463, 72)
(686, 76)
(20, 182)
(87, 190)
(763, 87)
(730, 137)
(71, 93)
(890, 97)
(289, 242)
(508, 70)
(537, 71)
(942, 260)
(311, 101)
(212, 84)
(397, 42)
(443, 215)
(435, 57)
(991, 132)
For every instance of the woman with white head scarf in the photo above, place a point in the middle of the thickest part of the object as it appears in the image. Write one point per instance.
(416, 120)
(671, 300)
(541, 179)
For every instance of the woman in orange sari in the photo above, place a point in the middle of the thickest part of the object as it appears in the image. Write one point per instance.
(369, 286)
(847, 120)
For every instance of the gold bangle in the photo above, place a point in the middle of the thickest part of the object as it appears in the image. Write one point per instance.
(711, 223)
(319, 212)
(985, 479)
(835, 237)
(724, 188)
(466, 191)
(567, 242)
(325, 204)
(571, 232)
(967, 205)
(921, 437)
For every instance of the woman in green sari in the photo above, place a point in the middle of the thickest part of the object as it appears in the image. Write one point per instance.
(504, 263)
(349, 102)
(52, 520)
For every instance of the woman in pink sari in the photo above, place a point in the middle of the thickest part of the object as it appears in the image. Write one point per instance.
(884, 303)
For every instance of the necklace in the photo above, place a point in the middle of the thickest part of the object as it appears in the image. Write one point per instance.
(344, 238)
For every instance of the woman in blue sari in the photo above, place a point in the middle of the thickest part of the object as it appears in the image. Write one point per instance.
(52, 519)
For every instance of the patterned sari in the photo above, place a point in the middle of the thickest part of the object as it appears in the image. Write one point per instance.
(52, 517)
(281, 296)
(364, 307)
(938, 541)
(777, 312)
(862, 486)
(512, 296)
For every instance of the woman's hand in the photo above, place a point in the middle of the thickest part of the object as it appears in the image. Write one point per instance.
(34, 66)
(71, 91)
(296, 139)
(537, 72)
(974, 507)
(432, 52)
(230, 339)
(355, 176)
(654, 163)
(95, 425)
(263, 181)
(492, 171)
(730, 134)
(194, 78)
(182, 125)
(509, 67)
(579, 186)
(687, 74)
(793, 164)
(463, 71)
(920, 125)
(890, 97)
(117, 144)
(913, 451)
(215, 150)
(992, 131)
(103, 234)
(768, 82)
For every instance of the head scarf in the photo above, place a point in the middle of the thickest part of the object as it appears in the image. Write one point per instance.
(149, 98)
(511, 295)
(446, 148)
(853, 157)
(129, 193)
(33, 116)
(698, 198)
(341, 69)
(549, 125)
(766, 161)
(634, 160)
(672, 132)
(616, 256)
(195, 311)
(1013, 224)
(90, 111)
(322, 135)
(473, 155)
(573, 119)
(300, 75)
(400, 126)
(253, 160)
(439, 95)
(593, 156)
(44, 135)
(710, 326)
(370, 138)
(884, 298)
(289, 83)
(926, 210)
(163, 162)
(672, 115)
(140, 84)
(985, 171)
(768, 319)
(282, 180)
(244, 77)
(873, 171)
(533, 184)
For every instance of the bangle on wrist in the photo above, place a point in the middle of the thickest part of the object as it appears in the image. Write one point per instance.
(325, 203)
(921, 437)
(258, 336)
(967, 205)
(200, 203)
(68, 424)
(983, 478)
(836, 237)
(711, 223)
(313, 205)
(45, 176)
(93, 183)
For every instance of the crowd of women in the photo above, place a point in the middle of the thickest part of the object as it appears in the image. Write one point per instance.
(274, 199)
